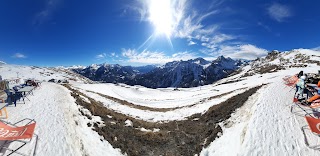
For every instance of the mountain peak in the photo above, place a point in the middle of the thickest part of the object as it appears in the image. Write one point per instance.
(222, 58)
(227, 63)
(200, 61)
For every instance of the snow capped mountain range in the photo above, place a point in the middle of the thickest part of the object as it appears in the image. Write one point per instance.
(191, 73)
(112, 73)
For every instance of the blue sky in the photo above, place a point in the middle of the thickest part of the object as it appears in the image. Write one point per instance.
(139, 32)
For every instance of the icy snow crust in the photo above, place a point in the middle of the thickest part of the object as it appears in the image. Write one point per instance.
(264, 125)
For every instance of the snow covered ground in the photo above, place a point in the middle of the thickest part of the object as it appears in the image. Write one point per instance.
(62, 130)
(264, 125)
(13, 72)
(155, 116)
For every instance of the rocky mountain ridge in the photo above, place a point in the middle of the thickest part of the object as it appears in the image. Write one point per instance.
(190, 73)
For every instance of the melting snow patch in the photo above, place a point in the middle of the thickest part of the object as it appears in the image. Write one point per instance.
(149, 130)
(85, 99)
(98, 121)
(86, 111)
(128, 123)
(92, 119)
(145, 130)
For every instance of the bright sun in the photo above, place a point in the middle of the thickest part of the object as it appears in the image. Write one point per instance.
(161, 16)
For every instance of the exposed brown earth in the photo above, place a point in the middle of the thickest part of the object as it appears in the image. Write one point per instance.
(179, 138)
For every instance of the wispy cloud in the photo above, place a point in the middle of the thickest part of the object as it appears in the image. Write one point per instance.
(46, 13)
(264, 26)
(221, 38)
(279, 12)
(191, 43)
(149, 57)
(247, 51)
(213, 43)
(101, 56)
(19, 56)
(141, 7)
(186, 21)
(191, 24)
(114, 55)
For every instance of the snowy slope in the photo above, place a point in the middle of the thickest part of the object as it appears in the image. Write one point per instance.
(265, 124)
(62, 130)
(266, 128)
(11, 72)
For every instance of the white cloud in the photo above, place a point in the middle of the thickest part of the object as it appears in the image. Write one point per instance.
(149, 57)
(214, 42)
(191, 24)
(191, 43)
(114, 54)
(19, 55)
(129, 53)
(221, 38)
(209, 30)
(279, 12)
(187, 29)
(182, 56)
(141, 7)
(101, 56)
(204, 39)
(185, 22)
(247, 51)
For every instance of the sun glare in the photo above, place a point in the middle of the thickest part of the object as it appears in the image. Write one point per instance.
(161, 16)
